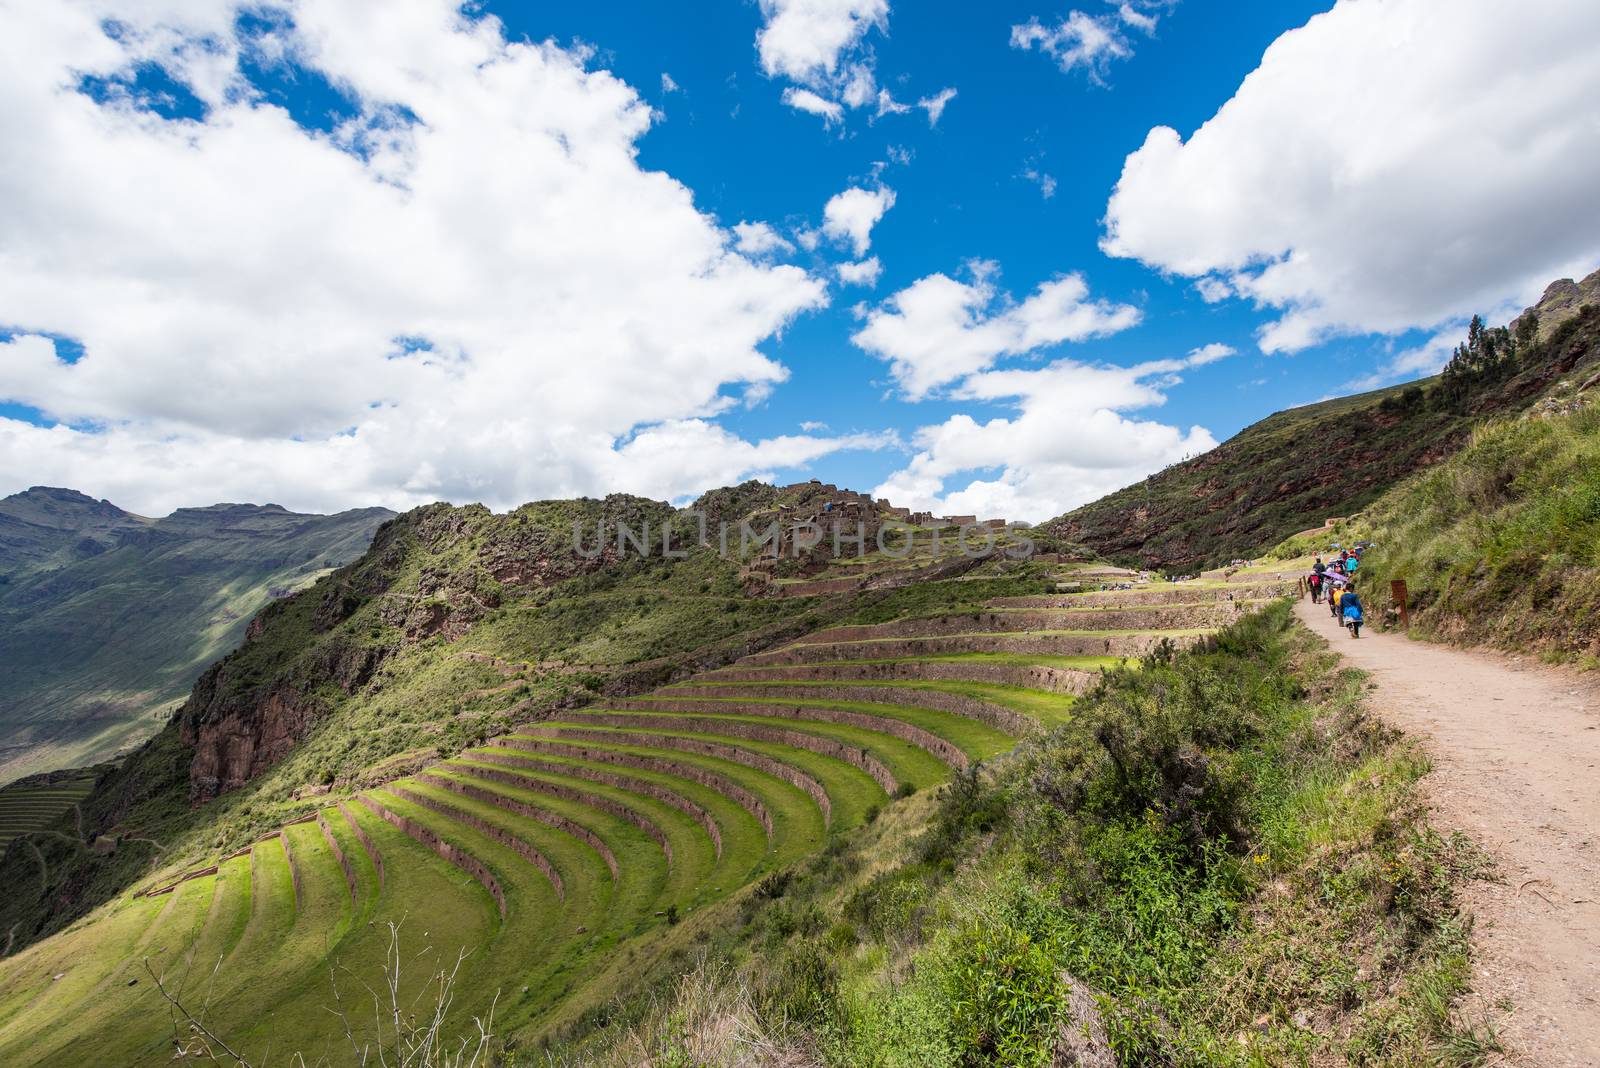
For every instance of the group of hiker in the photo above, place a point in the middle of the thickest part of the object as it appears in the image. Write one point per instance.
(1337, 579)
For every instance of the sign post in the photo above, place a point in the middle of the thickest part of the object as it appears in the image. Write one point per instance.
(1397, 591)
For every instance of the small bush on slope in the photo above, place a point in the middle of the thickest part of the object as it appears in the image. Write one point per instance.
(1501, 543)
(1220, 860)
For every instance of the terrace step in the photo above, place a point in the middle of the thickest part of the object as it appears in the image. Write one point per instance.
(1151, 595)
(588, 798)
(750, 758)
(629, 783)
(659, 763)
(989, 713)
(974, 669)
(1066, 643)
(690, 713)
(1012, 620)
(450, 853)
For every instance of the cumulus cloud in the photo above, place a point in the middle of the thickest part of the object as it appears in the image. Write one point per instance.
(759, 239)
(863, 273)
(813, 103)
(934, 105)
(804, 39)
(850, 216)
(1090, 42)
(939, 330)
(821, 46)
(1063, 442)
(363, 314)
(1358, 189)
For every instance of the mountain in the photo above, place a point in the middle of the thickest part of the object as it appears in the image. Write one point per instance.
(1292, 471)
(106, 617)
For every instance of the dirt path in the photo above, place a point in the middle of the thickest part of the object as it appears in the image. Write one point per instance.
(1515, 748)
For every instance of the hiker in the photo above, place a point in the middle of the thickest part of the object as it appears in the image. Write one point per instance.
(1318, 570)
(1350, 614)
(1352, 563)
(1334, 596)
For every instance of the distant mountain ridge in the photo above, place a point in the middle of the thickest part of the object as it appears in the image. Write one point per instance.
(106, 616)
(1293, 470)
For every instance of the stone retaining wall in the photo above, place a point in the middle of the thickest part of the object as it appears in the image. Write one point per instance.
(528, 851)
(1028, 676)
(1024, 644)
(366, 843)
(1013, 620)
(1161, 595)
(338, 854)
(565, 793)
(750, 759)
(989, 713)
(853, 755)
(925, 740)
(608, 778)
(683, 770)
(294, 870)
(450, 852)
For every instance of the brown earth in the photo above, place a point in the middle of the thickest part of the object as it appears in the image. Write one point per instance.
(1514, 746)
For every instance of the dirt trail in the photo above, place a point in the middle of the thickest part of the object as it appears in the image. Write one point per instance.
(1515, 747)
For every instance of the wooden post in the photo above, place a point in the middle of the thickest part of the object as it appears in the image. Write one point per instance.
(1397, 591)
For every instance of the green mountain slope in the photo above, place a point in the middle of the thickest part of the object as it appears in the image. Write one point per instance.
(1500, 544)
(106, 617)
(1293, 470)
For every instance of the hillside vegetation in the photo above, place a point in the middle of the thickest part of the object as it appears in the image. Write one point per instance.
(555, 761)
(1500, 544)
(1291, 471)
(1219, 859)
(106, 617)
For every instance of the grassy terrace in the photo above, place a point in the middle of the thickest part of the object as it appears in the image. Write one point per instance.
(599, 829)
(31, 805)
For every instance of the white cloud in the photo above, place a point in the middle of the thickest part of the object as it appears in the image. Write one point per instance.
(864, 273)
(811, 426)
(860, 88)
(806, 100)
(366, 316)
(938, 330)
(668, 85)
(1045, 182)
(1064, 442)
(1079, 40)
(1208, 354)
(758, 239)
(821, 46)
(888, 105)
(1362, 189)
(1143, 21)
(1090, 42)
(804, 39)
(934, 105)
(851, 215)
(1213, 290)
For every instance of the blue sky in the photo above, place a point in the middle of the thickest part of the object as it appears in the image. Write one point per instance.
(331, 255)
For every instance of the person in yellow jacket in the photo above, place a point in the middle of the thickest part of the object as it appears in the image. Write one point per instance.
(1333, 600)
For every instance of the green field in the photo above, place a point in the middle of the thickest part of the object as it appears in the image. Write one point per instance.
(548, 854)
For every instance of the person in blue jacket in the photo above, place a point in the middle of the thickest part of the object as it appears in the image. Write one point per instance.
(1350, 608)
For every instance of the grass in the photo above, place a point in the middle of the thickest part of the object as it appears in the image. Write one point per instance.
(1501, 543)
(1289, 905)
(744, 842)
(908, 762)
(38, 803)
(694, 858)
(975, 739)
(797, 822)
(850, 792)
